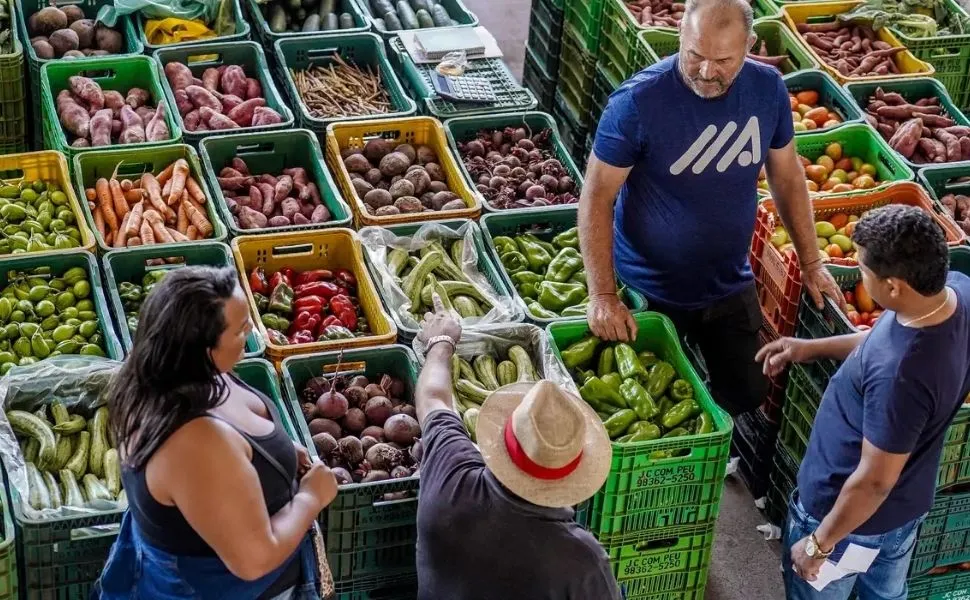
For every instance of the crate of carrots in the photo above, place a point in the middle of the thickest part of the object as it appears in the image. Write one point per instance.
(137, 197)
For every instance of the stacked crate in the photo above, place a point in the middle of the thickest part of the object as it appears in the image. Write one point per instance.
(13, 99)
(577, 66)
(542, 51)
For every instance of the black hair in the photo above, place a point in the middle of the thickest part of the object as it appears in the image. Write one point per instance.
(906, 243)
(169, 377)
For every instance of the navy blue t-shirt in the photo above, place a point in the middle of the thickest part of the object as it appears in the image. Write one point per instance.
(685, 216)
(899, 389)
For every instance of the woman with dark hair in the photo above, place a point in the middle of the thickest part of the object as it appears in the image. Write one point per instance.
(221, 502)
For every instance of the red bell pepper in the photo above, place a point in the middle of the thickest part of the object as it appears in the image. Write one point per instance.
(258, 283)
(314, 325)
(302, 337)
(324, 289)
(302, 321)
(311, 304)
(343, 308)
(313, 275)
(345, 276)
(277, 338)
(328, 321)
(278, 278)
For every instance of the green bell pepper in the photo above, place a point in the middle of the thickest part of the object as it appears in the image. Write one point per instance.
(580, 353)
(579, 277)
(562, 267)
(262, 302)
(129, 292)
(618, 422)
(660, 377)
(504, 245)
(647, 358)
(705, 423)
(534, 251)
(528, 290)
(683, 410)
(527, 283)
(648, 432)
(613, 380)
(676, 432)
(663, 406)
(335, 332)
(606, 363)
(558, 296)
(281, 299)
(638, 399)
(578, 310)
(567, 239)
(628, 365)
(597, 390)
(681, 389)
(623, 439)
(539, 311)
(581, 375)
(271, 321)
(514, 262)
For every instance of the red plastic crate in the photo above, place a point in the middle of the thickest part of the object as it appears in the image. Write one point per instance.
(776, 385)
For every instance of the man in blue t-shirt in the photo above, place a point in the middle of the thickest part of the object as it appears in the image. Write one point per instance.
(678, 149)
(869, 474)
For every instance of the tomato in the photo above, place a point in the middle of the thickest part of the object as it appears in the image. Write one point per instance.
(849, 297)
(854, 318)
(863, 300)
(839, 220)
(834, 251)
(793, 101)
(809, 97)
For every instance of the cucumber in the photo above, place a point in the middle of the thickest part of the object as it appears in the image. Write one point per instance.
(408, 18)
(112, 471)
(95, 489)
(346, 21)
(382, 7)
(73, 425)
(98, 427)
(65, 449)
(79, 460)
(32, 426)
(327, 7)
(312, 23)
(331, 22)
(38, 496)
(277, 19)
(392, 23)
(70, 492)
(440, 16)
(419, 4)
(424, 19)
(53, 489)
(31, 450)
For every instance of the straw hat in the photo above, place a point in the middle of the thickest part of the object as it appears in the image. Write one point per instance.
(544, 444)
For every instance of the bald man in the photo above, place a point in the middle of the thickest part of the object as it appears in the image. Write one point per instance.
(678, 151)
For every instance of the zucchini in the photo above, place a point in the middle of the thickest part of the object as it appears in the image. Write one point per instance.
(466, 371)
(484, 365)
(53, 490)
(112, 471)
(506, 373)
(95, 489)
(99, 441)
(424, 19)
(38, 496)
(327, 7)
(523, 364)
(467, 307)
(408, 18)
(65, 448)
(59, 412)
(31, 450)
(382, 7)
(79, 460)
(312, 23)
(471, 391)
(346, 21)
(391, 22)
(330, 22)
(73, 425)
(440, 16)
(71, 492)
(31, 425)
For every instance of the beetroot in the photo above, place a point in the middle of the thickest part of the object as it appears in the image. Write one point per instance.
(324, 443)
(324, 426)
(342, 475)
(402, 429)
(378, 409)
(375, 475)
(384, 457)
(356, 395)
(417, 451)
(351, 449)
(400, 472)
(374, 431)
(367, 442)
(309, 411)
(332, 405)
(373, 389)
(354, 421)
(409, 410)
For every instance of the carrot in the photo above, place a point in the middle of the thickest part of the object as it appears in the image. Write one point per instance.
(126, 185)
(183, 220)
(99, 222)
(179, 176)
(121, 236)
(192, 233)
(104, 200)
(195, 192)
(162, 236)
(166, 188)
(134, 195)
(178, 236)
(147, 234)
(197, 217)
(134, 241)
(90, 194)
(134, 219)
(154, 192)
(166, 174)
(118, 197)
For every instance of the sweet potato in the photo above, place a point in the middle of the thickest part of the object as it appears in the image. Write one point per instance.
(284, 185)
(255, 198)
(251, 219)
(965, 148)
(192, 120)
(269, 202)
(290, 207)
(906, 137)
(321, 214)
(240, 165)
(267, 178)
(73, 116)
(210, 79)
(179, 75)
(137, 97)
(157, 130)
(234, 81)
(301, 219)
(216, 120)
(315, 198)
(936, 121)
(87, 90)
(235, 183)
(263, 115)
(101, 128)
(243, 113)
(951, 142)
(818, 27)
(253, 88)
(182, 103)
(134, 130)
(113, 100)
(202, 98)
(229, 102)
(279, 221)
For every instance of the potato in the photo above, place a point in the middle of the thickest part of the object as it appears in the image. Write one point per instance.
(377, 149)
(377, 198)
(425, 155)
(409, 204)
(279, 221)
(357, 163)
(43, 49)
(407, 150)
(373, 176)
(64, 40)
(438, 186)
(71, 54)
(47, 20)
(441, 198)
(394, 163)
(84, 28)
(108, 39)
(401, 187)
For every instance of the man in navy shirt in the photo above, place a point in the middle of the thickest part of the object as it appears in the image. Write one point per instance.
(678, 149)
(869, 474)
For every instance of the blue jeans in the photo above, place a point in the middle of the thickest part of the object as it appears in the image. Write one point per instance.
(886, 577)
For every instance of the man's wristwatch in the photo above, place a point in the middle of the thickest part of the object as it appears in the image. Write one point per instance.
(814, 550)
(439, 339)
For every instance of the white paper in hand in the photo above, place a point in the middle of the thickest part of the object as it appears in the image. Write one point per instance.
(855, 559)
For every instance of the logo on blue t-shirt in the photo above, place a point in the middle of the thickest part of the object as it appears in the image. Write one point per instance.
(749, 136)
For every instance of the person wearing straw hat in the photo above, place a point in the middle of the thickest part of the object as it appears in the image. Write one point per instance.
(495, 522)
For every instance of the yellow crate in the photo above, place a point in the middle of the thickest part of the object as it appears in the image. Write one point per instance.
(803, 12)
(302, 251)
(408, 130)
(47, 165)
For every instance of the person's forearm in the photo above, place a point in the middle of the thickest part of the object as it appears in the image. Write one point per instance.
(859, 499)
(288, 526)
(795, 209)
(434, 384)
(596, 241)
(837, 347)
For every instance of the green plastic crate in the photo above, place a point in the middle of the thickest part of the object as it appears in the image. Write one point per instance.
(271, 152)
(13, 93)
(537, 79)
(583, 18)
(545, 223)
(765, 10)
(545, 34)
(936, 179)
(119, 74)
(369, 540)
(783, 480)
(944, 537)
(619, 40)
(643, 493)
(659, 43)
(463, 129)
(9, 589)
(456, 10)
(668, 562)
(576, 71)
(241, 32)
(363, 49)
(254, 11)
(603, 85)
(831, 95)
(572, 130)
(912, 90)
(510, 93)
(199, 57)
(129, 265)
(949, 586)
(88, 167)
(260, 374)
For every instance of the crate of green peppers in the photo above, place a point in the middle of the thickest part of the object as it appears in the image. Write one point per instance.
(130, 274)
(538, 251)
(670, 440)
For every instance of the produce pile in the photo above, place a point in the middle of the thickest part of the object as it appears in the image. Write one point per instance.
(762, 56)
(225, 98)
(514, 169)
(63, 32)
(834, 239)
(549, 276)
(958, 207)
(861, 310)
(306, 15)
(154, 209)
(474, 381)
(96, 117)
(36, 216)
(656, 13)
(920, 131)
(42, 315)
(70, 460)
(807, 114)
(639, 396)
(913, 18)
(365, 429)
(833, 172)
(408, 14)
(342, 91)
(261, 201)
(392, 180)
(6, 28)
(133, 296)
(853, 50)
(308, 306)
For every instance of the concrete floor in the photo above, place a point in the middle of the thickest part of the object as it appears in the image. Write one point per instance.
(745, 566)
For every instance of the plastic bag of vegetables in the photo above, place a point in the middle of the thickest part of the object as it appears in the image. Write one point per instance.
(55, 414)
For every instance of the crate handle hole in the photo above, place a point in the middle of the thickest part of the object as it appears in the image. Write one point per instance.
(254, 148)
(12, 174)
(293, 250)
(99, 74)
(132, 169)
(171, 262)
(326, 54)
(204, 58)
(655, 545)
(94, 532)
(381, 503)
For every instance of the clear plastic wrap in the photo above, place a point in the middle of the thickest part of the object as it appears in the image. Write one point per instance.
(80, 383)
